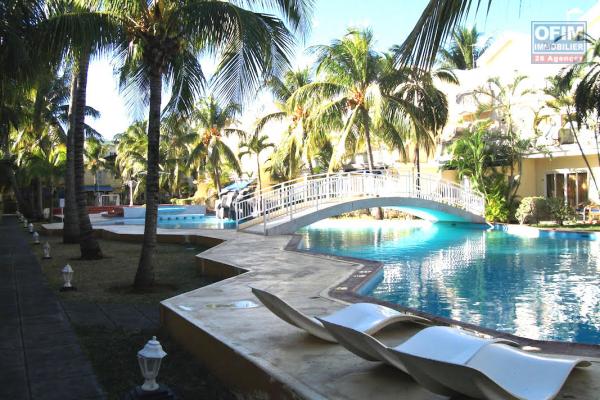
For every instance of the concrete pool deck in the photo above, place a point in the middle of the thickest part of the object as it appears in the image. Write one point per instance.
(260, 356)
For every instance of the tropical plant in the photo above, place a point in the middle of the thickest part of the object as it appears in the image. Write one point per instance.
(561, 101)
(254, 146)
(95, 153)
(532, 210)
(464, 49)
(209, 152)
(509, 146)
(414, 106)
(161, 45)
(436, 23)
(560, 210)
(347, 88)
(301, 134)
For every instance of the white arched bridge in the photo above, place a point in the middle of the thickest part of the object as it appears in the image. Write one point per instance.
(291, 205)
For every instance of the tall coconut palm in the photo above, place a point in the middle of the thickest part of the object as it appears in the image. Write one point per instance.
(95, 152)
(254, 146)
(464, 49)
(214, 122)
(415, 109)
(299, 137)
(348, 72)
(131, 160)
(161, 45)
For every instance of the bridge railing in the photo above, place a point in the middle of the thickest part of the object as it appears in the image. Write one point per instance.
(292, 197)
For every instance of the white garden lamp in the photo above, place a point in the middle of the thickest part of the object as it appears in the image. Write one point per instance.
(67, 274)
(46, 250)
(149, 359)
(25, 223)
(36, 238)
(30, 227)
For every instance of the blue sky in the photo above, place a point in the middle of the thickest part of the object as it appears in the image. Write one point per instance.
(390, 20)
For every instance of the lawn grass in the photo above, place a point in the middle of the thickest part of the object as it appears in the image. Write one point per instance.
(112, 352)
(110, 279)
(113, 356)
(570, 227)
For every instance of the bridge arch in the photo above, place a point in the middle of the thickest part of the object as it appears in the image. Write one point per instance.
(285, 209)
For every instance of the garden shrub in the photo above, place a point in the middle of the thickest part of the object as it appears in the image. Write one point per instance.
(496, 209)
(532, 210)
(560, 211)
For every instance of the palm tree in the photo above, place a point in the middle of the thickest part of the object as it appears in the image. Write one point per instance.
(587, 89)
(301, 135)
(437, 22)
(414, 111)
(464, 49)
(161, 44)
(560, 101)
(131, 160)
(256, 145)
(348, 90)
(94, 152)
(213, 122)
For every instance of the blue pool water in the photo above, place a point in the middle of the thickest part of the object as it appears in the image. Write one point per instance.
(541, 288)
(190, 221)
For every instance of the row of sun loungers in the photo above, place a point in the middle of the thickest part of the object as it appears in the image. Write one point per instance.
(447, 361)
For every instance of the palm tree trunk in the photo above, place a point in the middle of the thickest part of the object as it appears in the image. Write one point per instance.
(218, 181)
(90, 249)
(368, 139)
(258, 172)
(144, 277)
(70, 217)
(51, 215)
(40, 198)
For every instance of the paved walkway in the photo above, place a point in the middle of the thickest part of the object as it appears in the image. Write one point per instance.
(40, 356)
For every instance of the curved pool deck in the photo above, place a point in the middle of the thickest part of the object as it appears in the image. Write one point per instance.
(259, 355)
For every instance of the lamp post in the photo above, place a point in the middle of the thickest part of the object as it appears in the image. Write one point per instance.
(25, 223)
(36, 238)
(30, 227)
(67, 274)
(149, 360)
(46, 250)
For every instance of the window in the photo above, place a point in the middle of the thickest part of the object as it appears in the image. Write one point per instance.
(571, 186)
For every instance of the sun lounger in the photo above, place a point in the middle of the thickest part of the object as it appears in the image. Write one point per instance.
(450, 362)
(364, 317)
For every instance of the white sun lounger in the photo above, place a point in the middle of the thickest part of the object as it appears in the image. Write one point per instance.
(448, 361)
(364, 317)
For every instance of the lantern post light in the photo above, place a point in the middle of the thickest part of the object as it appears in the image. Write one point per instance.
(149, 360)
(36, 238)
(67, 274)
(25, 223)
(46, 249)
(30, 227)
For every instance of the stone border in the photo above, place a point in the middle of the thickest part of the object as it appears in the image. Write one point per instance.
(348, 291)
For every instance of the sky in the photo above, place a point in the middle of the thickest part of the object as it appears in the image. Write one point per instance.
(390, 20)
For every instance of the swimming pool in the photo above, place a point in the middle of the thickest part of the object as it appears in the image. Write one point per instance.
(180, 221)
(545, 288)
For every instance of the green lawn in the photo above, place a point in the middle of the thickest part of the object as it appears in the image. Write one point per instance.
(113, 351)
(118, 370)
(109, 280)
